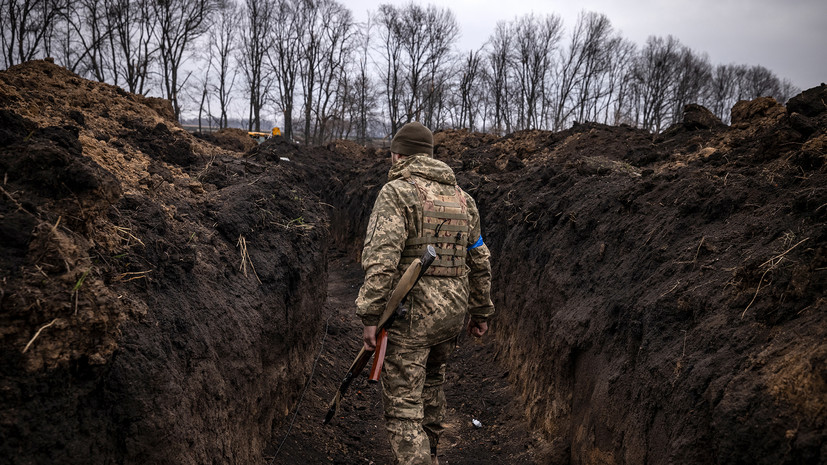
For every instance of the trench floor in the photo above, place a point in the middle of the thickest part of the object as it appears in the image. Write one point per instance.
(476, 389)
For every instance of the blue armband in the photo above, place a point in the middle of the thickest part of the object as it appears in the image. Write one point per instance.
(477, 244)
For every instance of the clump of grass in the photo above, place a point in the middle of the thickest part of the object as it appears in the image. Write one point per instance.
(76, 289)
(296, 223)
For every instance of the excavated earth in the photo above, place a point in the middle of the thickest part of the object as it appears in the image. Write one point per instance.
(168, 299)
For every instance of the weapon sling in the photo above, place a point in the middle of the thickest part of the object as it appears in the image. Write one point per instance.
(393, 309)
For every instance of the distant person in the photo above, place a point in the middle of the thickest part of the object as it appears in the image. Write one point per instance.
(420, 205)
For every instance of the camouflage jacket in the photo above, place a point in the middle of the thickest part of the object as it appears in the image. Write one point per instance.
(437, 305)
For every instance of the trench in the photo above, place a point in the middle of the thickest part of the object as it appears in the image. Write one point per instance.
(477, 386)
(660, 298)
(620, 335)
(476, 389)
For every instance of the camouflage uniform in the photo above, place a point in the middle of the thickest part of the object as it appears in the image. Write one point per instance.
(460, 280)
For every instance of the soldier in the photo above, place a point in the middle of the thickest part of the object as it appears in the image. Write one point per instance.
(420, 205)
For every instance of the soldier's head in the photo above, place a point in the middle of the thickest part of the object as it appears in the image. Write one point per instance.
(411, 139)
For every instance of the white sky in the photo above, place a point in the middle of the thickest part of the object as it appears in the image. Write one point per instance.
(788, 37)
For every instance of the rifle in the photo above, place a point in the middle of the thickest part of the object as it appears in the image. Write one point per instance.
(393, 310)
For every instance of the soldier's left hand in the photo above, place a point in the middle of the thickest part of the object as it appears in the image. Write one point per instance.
(477, 328)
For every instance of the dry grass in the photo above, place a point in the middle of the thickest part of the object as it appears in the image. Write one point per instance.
(38, 334)
(670, 290)
(132, 275)
(697, 252)
(295, 223)
(124, 231)
(245, 258)
(771, 264)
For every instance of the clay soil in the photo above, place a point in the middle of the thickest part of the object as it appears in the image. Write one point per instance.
(168, 299)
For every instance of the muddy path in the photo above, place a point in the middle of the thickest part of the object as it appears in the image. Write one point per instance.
(476, 388)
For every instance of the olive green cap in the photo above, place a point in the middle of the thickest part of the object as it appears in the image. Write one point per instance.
(413, 138)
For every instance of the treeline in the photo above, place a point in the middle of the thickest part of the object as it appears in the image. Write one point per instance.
(327, 76)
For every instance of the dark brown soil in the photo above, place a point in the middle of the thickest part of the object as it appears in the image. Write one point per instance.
(160, 296)
(660, 298)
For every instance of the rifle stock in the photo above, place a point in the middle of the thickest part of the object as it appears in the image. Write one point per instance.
(379, 356)
(409, 279)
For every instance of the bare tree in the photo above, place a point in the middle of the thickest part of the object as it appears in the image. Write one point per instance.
(435, 100)
(60, 39)
(390, 33)
(341, 122)
(440, 31)
(535, 40)
(596, 53)
(365, 99)
(498, 65)
(693, 74)
(336, 46)
(483, 96)
(468, 85)
(205, 88)
(621, 54)
(24, 26)
(223, 44)
(180, 23)
(354, 99)
(132, 46)
(720, 91)
(89, 31)
(283, 55)
(310, 42)
(582, 67)
(257, 42)
(417, 42)
(786, 91)
(325, 46)
(653, 75)
(758, 81)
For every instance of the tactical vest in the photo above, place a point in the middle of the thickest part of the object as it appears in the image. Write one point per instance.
(445, 225)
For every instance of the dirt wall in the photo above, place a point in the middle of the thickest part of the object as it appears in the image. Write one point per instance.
(660, 298)
(666, 308)
(160, 296)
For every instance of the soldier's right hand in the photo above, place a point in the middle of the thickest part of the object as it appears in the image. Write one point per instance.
(369, 338)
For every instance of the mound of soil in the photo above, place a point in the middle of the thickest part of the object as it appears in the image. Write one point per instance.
(159, 294)
(233, 139)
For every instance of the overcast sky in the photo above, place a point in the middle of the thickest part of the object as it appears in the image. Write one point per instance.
(788, 37)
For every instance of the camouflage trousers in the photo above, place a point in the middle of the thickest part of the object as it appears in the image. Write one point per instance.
(413, 399)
